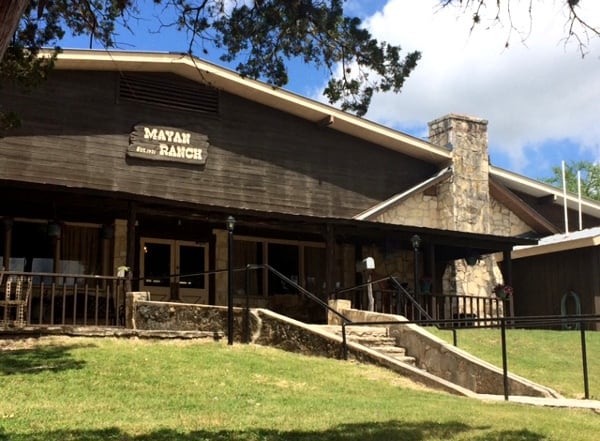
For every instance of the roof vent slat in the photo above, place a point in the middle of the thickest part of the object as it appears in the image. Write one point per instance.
(168, 91)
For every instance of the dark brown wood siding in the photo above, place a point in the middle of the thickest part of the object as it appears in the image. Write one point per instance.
(540, 282)
(554, 213)
(75, 134)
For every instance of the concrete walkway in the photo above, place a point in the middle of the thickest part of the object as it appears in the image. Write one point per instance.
(546, 402)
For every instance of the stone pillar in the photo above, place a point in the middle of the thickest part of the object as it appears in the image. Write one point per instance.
(120, 245)
(221, 252)
(464, 200)
(339, 305)
(130, 299)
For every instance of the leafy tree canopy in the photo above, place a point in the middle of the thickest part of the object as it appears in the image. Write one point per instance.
(261, 35)
(590, 178)
(580, 26)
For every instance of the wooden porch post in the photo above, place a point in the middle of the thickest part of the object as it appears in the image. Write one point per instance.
(507, 273)
(131, 221)
(8, 224)
(508, 277)
(329, 260)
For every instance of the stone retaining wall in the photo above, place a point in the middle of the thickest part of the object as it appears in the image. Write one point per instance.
(443, 360)
(184, 317)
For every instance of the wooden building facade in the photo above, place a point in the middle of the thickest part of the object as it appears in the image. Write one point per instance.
(136, 160)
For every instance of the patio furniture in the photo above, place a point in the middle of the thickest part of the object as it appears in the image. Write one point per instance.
(17, 291)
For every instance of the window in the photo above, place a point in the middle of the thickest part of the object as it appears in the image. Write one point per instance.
(301, 262)
(36, 245)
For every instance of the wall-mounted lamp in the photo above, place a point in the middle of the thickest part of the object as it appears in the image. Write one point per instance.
(416, 241)
(230, 223)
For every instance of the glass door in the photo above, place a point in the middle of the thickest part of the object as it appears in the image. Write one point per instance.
(173, 270)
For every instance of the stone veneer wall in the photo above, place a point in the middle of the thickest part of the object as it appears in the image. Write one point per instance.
(397, 263)
(419, 209)
(167, 316)
(221, 252)
(504, 222)
(464, 199)
(475, 280)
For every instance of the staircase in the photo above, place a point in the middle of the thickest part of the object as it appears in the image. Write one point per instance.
(376, 338)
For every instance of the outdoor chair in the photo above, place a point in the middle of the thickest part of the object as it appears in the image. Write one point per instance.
(17, 291)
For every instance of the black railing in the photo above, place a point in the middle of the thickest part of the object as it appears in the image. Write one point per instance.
(512, 322)
(307, 294)
(403, 302)
(393, 297)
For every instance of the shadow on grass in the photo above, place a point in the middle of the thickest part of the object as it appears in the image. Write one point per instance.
(38, 359)
(385, 431)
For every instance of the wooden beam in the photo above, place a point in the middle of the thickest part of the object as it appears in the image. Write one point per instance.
(327, 121)
(431, 191)
(521, 209)
(547, 200)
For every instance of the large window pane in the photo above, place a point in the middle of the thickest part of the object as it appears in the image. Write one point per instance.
(314, 269)
(247, 253)
(157, 264)
(191, 262)
(30, 245)
(284, 258)
(80, 250)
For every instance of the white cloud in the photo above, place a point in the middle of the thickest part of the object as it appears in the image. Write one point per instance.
(534, 94)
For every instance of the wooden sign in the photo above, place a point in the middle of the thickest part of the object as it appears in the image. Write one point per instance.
(161, 143)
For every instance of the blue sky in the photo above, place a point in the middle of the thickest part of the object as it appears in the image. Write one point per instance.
(541, 98)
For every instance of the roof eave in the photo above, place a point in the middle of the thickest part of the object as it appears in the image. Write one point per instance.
(539, 189)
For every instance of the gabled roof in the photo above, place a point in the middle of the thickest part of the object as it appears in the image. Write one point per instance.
(231, 82)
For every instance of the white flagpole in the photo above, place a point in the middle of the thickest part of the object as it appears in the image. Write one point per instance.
(564, 179)
(579, 199)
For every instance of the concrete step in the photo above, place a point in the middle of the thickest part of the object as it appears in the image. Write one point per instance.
(369, 340)
(392, 350)
(358, 331)
(407, 359)
(363, 331)
(376, 338)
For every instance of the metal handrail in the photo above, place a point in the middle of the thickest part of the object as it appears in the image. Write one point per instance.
(403, 291)
(525, 321)
(345, 320)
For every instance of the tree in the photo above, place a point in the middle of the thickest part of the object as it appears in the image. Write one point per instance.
(262, 35)
(505, 12)
(590, 178)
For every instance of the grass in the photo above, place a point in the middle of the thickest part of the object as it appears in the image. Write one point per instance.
(552, 358)
(110, 389)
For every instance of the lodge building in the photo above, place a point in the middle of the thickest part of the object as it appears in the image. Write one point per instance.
(137, 160)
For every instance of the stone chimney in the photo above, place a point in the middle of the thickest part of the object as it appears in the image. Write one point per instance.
(464, 200)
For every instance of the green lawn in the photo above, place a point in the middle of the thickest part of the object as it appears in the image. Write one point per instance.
(109, 389)
(552, 358)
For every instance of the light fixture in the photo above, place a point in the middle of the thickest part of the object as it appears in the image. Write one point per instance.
(416, 241)
(230, 223)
